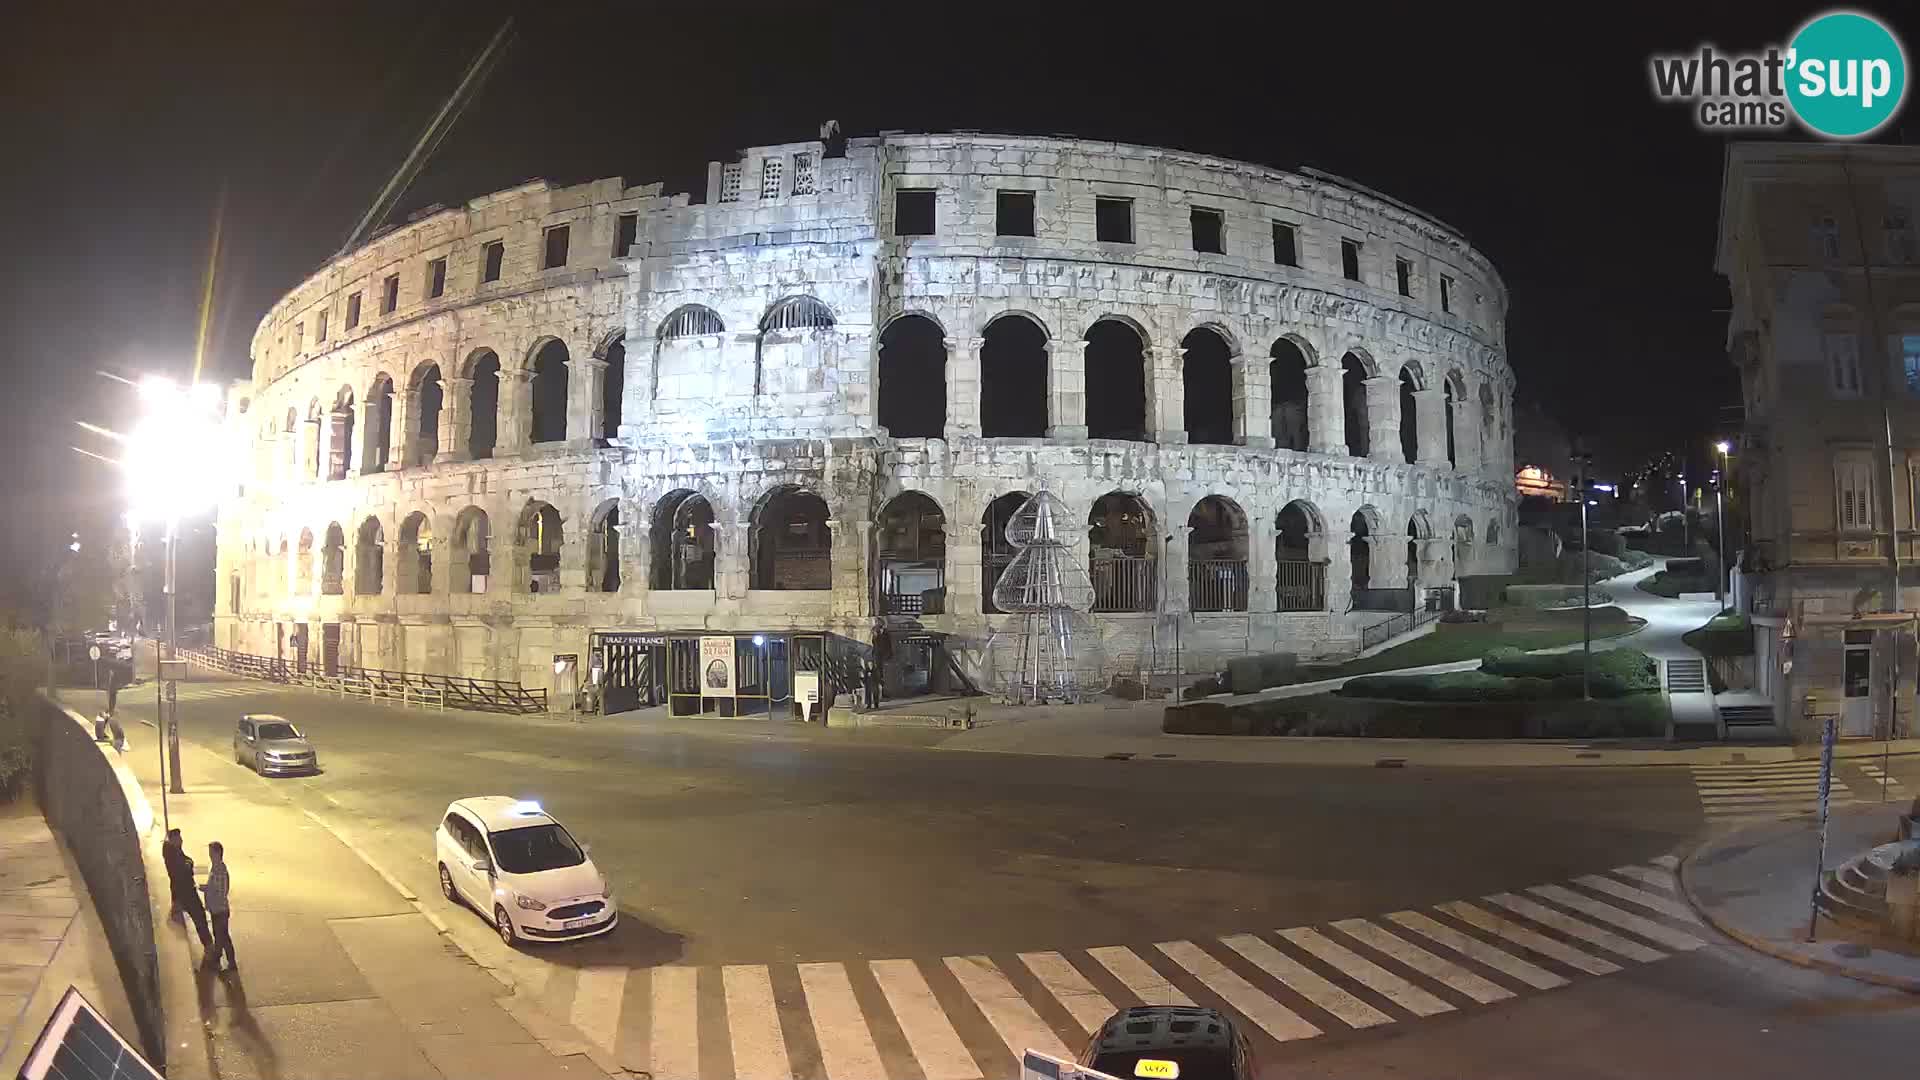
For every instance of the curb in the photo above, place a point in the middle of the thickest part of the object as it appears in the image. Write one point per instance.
(1768, 948)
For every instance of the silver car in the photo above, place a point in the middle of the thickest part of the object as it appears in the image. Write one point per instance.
(271, 745)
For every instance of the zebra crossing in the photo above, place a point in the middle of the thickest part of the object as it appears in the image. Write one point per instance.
(210, 693)
(1740, 793)
(970, 1017)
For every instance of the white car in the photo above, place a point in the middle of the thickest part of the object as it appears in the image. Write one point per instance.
(511, 861)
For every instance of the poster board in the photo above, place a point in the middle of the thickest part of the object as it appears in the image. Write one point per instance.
(717, 675)
(806, 693)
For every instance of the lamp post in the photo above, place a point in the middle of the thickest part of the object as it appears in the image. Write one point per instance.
(1585, 462)
(1720, 519)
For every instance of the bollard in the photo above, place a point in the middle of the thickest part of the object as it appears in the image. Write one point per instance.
(1903, 905)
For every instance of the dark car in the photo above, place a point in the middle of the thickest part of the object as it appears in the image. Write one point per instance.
(1170, 1042)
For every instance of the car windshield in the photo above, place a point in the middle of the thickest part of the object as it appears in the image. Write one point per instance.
(535, 848)
(279, 729)
(1193, 1063)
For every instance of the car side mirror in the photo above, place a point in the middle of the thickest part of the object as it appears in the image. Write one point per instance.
(586, 849)
(482, 866)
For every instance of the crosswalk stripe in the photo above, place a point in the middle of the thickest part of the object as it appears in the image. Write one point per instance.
(1671, 862)
(596, 1003)
(1658, 878)
(1625, 920)
(1012, 1018)
(1069, 988)
(1151, 987)
(1367, 973)
(1645, 899)
(1795, 788)
(1306, 982)
(753, 1023)
(1445, 972)
(674, 1053)
(1474, 949)
(1573, 927)
(1269, 1015)
(846, 1043)
(936, 1046)
(1528, 939)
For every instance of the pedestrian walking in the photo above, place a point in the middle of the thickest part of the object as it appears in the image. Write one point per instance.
(870, 676)
(219, 908)
(180, 885)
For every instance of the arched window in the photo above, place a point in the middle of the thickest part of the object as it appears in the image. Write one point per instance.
(340, 437)
(1299, 547)
(1122, 553)
(415, 569)
(683, 548)
(797, 313)
(470, 555)
(1450, 387)
(1013, 379)
(1462, 544)
(428, 395)
(369, 559)
(1206, 376)
(1409, 416)
(1116, 382)
(483, 426)
(613, 388)
(317, 423)
(788, 354)
(996, 552)
(549, 393)
(1486, 423)
(303, 564)
(1353, 394)
(603, 548)
(792, 545)
(913, 378)
(291, 444)
(691, 320)
(539, 538)
(1287, 374)
(1217, 556)
(1493, 532)
(1359, 553)
(379, 435)
(333, 561)
(1417, 531)
(910, 567)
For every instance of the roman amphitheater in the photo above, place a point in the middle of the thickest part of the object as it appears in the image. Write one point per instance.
(560, 434)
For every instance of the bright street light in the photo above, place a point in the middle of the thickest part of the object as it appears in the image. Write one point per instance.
(1724, 447)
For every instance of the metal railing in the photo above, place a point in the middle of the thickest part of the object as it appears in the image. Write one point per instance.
(378, 684)
(1217, 585)
(1300, 585)
(1122, 583)
(1402, 623)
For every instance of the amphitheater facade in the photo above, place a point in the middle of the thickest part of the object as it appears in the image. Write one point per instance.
(558, 435)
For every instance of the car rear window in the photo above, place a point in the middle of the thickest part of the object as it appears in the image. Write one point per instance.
(278, 731)
(1200, 1063)
(535, 848)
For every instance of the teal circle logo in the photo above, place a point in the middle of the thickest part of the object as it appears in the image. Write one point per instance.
(1847, 74)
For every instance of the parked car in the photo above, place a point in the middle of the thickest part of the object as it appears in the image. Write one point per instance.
(510, 860)
(272, 746)
(1170, 1042)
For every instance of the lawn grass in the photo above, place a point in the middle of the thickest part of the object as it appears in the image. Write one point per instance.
(1470, 641)
(1724, 635)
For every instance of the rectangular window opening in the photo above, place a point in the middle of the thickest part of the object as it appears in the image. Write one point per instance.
(628, 233)
(320, 327)
(353, 311)
(1350, 259)
(1403, 276)
(1285, 253)
(1446, 293)
(556, 249)
(493, 255)
(1013, 213)
(803, 174)
(913, 212)
(730, 182)
(437, 278)
(390, 294)
(771, 170)
(1113, 220)
(1208, 229)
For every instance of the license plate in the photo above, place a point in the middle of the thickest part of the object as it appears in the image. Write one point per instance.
(575, 924)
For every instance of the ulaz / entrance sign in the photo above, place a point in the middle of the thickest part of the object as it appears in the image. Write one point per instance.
(716, 667)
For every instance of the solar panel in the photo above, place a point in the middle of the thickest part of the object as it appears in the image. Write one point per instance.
(79, 1044)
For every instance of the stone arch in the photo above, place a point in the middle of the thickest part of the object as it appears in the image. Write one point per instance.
(1206, 376)
(603, 548)
(912, 378)
(1217, 550)
(413, 569)
(682, 537)
(1493, 532)
(333, 561)
(788, 346)
(690, 320)
(340, 435)
(379, 425)
(613, 383)
(470, 550)
(790, 541)
(369, 558)
(539, 536)
(1355, 369)
(483, 423)
(1410, 412)
(910, 557)
(428, 393)
(1462, 543)
(1488, 414)
(1013, 376)
(1116, 379)
(916, 313)
(1364, 528)
(548, 419)
(685, 366)
(1287, 364)
(996, 552)
(793, 313)
(303, 564)
(1454, 388)
(1123, 546)
(1300, 557)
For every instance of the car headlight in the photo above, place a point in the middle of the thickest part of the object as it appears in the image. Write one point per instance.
(530, 903)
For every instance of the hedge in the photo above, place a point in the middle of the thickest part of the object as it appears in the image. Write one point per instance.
(1512, 675)
(1629, 668)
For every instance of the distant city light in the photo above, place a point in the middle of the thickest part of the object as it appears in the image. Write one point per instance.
(1603, 487)
(1723, 446)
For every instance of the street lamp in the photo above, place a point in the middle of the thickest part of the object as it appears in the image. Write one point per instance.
(175, 465)
(1585, 462)
(1720, 518)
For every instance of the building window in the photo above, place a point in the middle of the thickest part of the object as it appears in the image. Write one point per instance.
(1446, 293)
(320, 326)
(730, 182)
(1826, 238)
(1285, 250)
(299, 336)
(1113, 220)
(390, 294)
(1853, 490)
(770, 172)
(493, 255)
(1013, 213)
(803, 174)
(437, 278)
(1899, 230)
(1843, 365)
(629, 231)
(556, 248)
(1403, 276)
(1350, 259)
(353, 311)
(913, 212)
(1208, 229)
(1910, 362)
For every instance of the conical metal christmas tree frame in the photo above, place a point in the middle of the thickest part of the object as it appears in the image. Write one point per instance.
(1052, 656)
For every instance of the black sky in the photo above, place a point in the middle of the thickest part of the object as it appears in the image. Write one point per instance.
(1532, 129)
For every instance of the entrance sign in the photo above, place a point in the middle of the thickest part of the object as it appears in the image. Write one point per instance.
(806, 693)
(716, 667)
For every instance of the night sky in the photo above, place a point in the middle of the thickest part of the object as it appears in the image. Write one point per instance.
(1535, 134)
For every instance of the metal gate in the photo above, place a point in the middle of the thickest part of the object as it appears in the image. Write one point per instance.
(631, 669)
(330, 648)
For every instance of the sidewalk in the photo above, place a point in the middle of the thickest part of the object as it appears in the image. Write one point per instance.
(50, 937)
(339, 974)
(1755, 885)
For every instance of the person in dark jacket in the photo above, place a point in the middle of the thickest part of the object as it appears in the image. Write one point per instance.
(186, 898)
